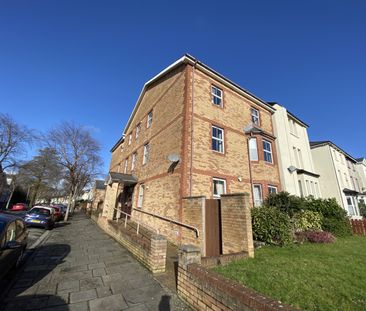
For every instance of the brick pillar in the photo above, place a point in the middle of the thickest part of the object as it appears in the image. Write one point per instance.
(236, 224)
(110, 200)
(158, 253)
(189, 254)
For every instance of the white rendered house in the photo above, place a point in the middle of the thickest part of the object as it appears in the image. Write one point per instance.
(297, 172)
(338, 176)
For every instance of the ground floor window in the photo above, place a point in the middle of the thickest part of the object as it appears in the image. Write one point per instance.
(141, 196)
(272, 189)
(351, 206)
(257, 195)
(219, 187)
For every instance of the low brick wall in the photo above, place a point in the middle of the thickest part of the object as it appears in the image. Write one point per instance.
(210, 262)
(206, 290)
(148, 248)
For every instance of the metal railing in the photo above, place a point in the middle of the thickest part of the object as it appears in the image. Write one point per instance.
(135, 220)
(170, 221)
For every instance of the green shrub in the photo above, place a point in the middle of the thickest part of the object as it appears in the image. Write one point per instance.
(307, 220)
(285, 202)
(362, 207)
(270, 225)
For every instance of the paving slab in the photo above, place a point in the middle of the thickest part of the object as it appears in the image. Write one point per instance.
(80, 268)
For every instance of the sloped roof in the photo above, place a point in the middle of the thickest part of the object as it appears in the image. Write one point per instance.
(188, 59)
(315, 144)
(291, 114)
(99, 184)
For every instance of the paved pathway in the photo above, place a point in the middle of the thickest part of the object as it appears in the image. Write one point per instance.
(79, 267)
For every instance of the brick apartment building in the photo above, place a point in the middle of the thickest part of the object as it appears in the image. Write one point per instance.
(191, 133)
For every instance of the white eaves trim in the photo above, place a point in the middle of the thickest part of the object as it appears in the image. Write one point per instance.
(204, 68)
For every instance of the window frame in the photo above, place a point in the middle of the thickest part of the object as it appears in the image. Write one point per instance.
(216, 179)
(140, 196)
(149, 119)
(215, 96)
(265, 151)
(126, 166)
(222, 140)
(138, 129)
(256, 149)
(145, 157)
(134, 160)
(272, 187)
(260, 194)
(130, 138)
(255, 118)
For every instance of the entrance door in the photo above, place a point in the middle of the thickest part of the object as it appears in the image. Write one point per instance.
(127, 199)
(213, 228)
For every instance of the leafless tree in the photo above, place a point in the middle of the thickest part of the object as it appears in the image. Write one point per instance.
(78, 153)
(14, 139)
(41, 175)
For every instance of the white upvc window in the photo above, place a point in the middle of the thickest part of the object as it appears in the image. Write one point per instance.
(216, 96)
(219, 187)
(267, 151)
(308, 187)
(300, 189)
(146, 153)
(272, 189)
(140, 200)
(126, 166)
(217, 139)
(134, 158)
(130, 139)
(257, 195)
(351, 206)
(149, 119)
(253, 149)
(254, 115)
(138, 128)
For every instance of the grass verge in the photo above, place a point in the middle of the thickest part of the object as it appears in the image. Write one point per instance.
(308, 276)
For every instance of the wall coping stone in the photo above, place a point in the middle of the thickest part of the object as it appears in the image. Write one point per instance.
(194, 197)
(241, 194)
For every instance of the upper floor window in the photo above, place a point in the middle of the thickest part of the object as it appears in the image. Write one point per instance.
(267, 151)
(138, 128)
(130, 139)
(216, 94)
(293, 127)
(134, 158)
(257, 195)
(149, 119)
(146, 153)
(219, 187)
(253, 150)
(254, 115)
(217, 139)
(126, 166)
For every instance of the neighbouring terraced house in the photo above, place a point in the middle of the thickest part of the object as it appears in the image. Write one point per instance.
(338, 175)
(192, 133)
(297, 170)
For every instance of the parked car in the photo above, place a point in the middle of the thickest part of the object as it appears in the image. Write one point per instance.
(13, 242)
(41, 216)
(19, 207)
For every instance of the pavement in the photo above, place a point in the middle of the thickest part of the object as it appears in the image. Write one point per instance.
(79, 267)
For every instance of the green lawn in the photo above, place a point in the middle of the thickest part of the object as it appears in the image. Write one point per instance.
(308, 276)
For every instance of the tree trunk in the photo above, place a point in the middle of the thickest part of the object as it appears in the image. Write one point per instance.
(9, 199)
(68, 207)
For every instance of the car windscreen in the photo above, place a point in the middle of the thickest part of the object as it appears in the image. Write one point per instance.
(40, 211)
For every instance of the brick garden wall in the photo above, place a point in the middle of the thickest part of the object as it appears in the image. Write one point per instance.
(148, 248)
(206, 290)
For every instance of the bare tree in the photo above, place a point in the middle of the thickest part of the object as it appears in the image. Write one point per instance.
(78, 153)
(41, 175)
(13, 141)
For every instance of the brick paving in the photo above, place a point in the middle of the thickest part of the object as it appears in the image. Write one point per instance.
(80, 268)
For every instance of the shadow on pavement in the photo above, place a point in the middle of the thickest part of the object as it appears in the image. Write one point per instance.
(164, 304)
(31, 287)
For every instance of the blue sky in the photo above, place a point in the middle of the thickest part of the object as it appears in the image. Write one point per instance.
(87, 61)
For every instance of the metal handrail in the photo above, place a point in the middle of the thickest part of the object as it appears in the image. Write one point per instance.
(137, 222)
(170, 221)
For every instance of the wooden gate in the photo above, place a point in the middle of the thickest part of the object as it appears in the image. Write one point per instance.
(213, 228)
